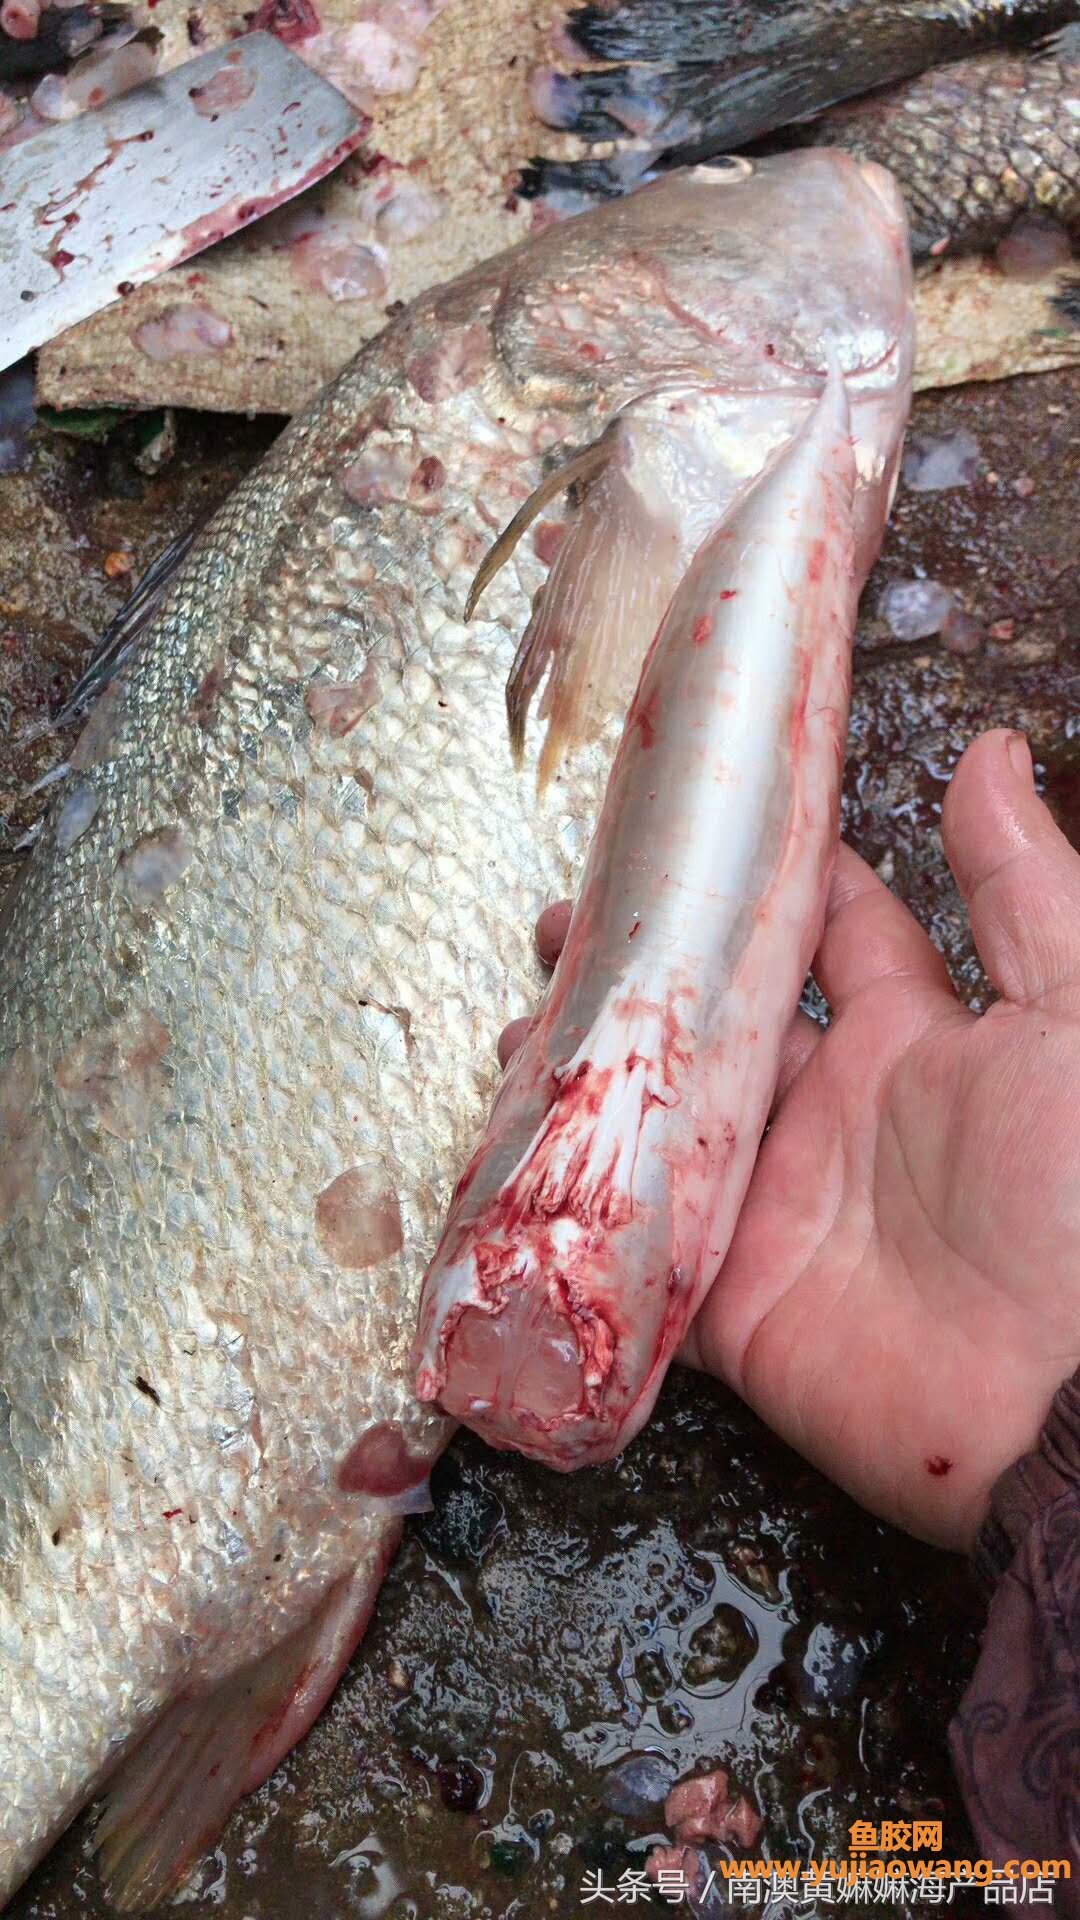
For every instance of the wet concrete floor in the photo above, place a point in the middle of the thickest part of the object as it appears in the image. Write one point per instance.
(548, 1655)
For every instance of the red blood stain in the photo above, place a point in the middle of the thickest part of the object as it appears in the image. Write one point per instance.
(171, 1513)
(276, 1720)
(769, 351)
(701, 632)
(380, 1463)
(587, 351)
(728, 593)
(430, 474)
(644, 718)
(207, 693)
(290, 20)
(798, 715)
(938, 1466)
(547, 540)
(635, 930)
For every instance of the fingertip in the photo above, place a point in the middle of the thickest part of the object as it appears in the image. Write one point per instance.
(1016, 870)
(851, 876)
(551, 930)
(512, 1038)
(993, 776)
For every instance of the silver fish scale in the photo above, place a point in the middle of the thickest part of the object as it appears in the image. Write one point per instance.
(331, 970)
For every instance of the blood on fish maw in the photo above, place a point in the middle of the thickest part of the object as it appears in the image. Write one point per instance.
(380, 1463)
(358, 1219)
(429, 476)
(229, 87)
(154, 863)
(548, 537)
(452, 365)
(96, 738)
(336, 707)
(288, 20)
(183, 331)
(75, 815)
(114, 1074)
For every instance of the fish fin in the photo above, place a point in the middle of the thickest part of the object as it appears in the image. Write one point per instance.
(596, 614)
(171, 1795)
(696, 80)
(125, 630)
(1066, 301)
(577, 471)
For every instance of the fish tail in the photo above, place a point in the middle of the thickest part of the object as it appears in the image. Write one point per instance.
(569, 1271)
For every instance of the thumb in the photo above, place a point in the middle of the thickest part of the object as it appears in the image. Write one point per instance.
(1017, 873)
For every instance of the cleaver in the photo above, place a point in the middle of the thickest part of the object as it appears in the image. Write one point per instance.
(99, 203)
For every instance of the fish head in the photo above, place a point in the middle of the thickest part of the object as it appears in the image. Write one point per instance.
(738, 271)
(741, 279)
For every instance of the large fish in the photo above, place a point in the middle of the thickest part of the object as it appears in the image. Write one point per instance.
(255, 970)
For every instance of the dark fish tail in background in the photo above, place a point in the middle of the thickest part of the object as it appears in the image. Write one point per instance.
(706, 78)
(971, 143)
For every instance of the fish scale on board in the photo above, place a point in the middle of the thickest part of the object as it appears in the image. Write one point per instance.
(702, 79)
(251, 1007)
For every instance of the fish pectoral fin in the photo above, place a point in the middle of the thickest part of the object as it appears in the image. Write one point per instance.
(593, 619)
(578, 471)
(171, 1795)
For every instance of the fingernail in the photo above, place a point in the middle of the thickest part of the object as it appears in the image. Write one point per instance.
(1020, 755)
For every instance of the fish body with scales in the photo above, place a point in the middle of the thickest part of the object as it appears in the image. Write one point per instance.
(975, 144)
(255, 969)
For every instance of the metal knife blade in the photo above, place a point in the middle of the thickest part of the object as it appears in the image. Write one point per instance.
(109, 199)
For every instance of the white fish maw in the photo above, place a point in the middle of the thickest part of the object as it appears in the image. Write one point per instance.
(564, 1285)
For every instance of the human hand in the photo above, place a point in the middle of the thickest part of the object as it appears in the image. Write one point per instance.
(901, 1298)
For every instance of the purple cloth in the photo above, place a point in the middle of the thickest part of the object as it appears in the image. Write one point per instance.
(1016, 1738)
